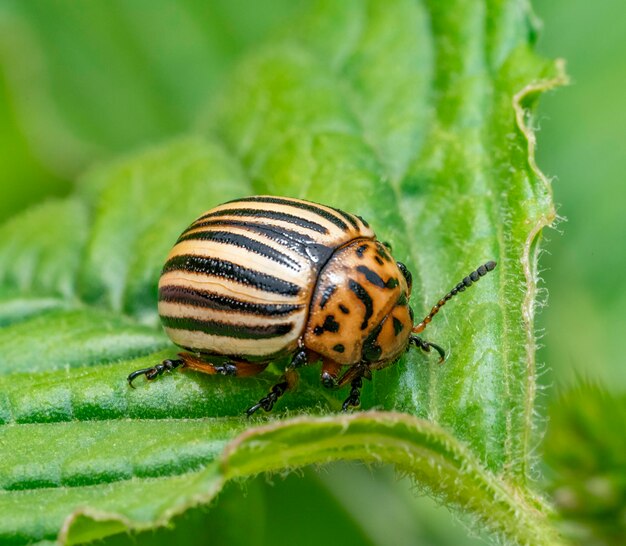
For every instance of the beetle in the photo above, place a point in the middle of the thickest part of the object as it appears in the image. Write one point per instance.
(264, 277)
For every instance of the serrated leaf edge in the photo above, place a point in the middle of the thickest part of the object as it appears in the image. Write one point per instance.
(531, 251)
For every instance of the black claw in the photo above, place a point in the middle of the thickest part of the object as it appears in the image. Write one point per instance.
(253, 409)
(442, 353)
(354, 399)
(427, 346)
(267, 402)
(136, 374)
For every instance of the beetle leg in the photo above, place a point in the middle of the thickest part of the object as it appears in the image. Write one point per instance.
(232, 367)
(288, 380)
(354, 398)
(150, 373)
(238, 368)
(427, 345)
(354, 375)
(330, 373)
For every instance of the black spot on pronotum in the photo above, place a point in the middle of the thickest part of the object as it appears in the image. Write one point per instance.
(391, 283)
(382, 252)
(328, 292)
(330, 324)
(379, 260)
(343, 309)
(407, 274)
(360, 251)
(397, 326)
(371, 276)
(366, 299)
(339, 348)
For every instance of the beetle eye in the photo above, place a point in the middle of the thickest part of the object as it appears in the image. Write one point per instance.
(407, 274)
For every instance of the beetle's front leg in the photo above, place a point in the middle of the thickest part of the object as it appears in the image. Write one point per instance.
(288, 380)
(427, 345)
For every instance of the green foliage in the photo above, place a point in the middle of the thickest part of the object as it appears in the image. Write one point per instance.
(152, 60)
(584, 452)
(414, 115)
(580, 131)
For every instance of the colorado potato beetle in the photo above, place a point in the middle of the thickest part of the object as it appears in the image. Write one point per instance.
(262, 278)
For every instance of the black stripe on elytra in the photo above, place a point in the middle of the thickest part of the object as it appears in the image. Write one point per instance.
(349, 217)
(311, 207)
(227, 270)
(223, 329)
(293, 240)
(271, 215)
(210, 300)
(328, 292)
(241, 241)
(365, 298)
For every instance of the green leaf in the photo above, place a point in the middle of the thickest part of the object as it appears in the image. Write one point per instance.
(142, 72)
(416, 116)
(23, 179)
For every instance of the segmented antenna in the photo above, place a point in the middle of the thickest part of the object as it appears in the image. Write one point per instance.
(465, 283)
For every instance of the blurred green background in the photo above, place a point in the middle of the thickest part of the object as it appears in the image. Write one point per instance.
(83, 82)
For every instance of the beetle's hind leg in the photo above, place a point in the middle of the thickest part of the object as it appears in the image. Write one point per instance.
(288, 380)
(166, 366)
(239, 368)
(231, 367)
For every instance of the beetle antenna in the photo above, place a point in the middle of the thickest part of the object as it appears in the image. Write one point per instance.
(465, 283)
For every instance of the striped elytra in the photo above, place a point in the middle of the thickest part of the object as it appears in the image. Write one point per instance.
(265, 277)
